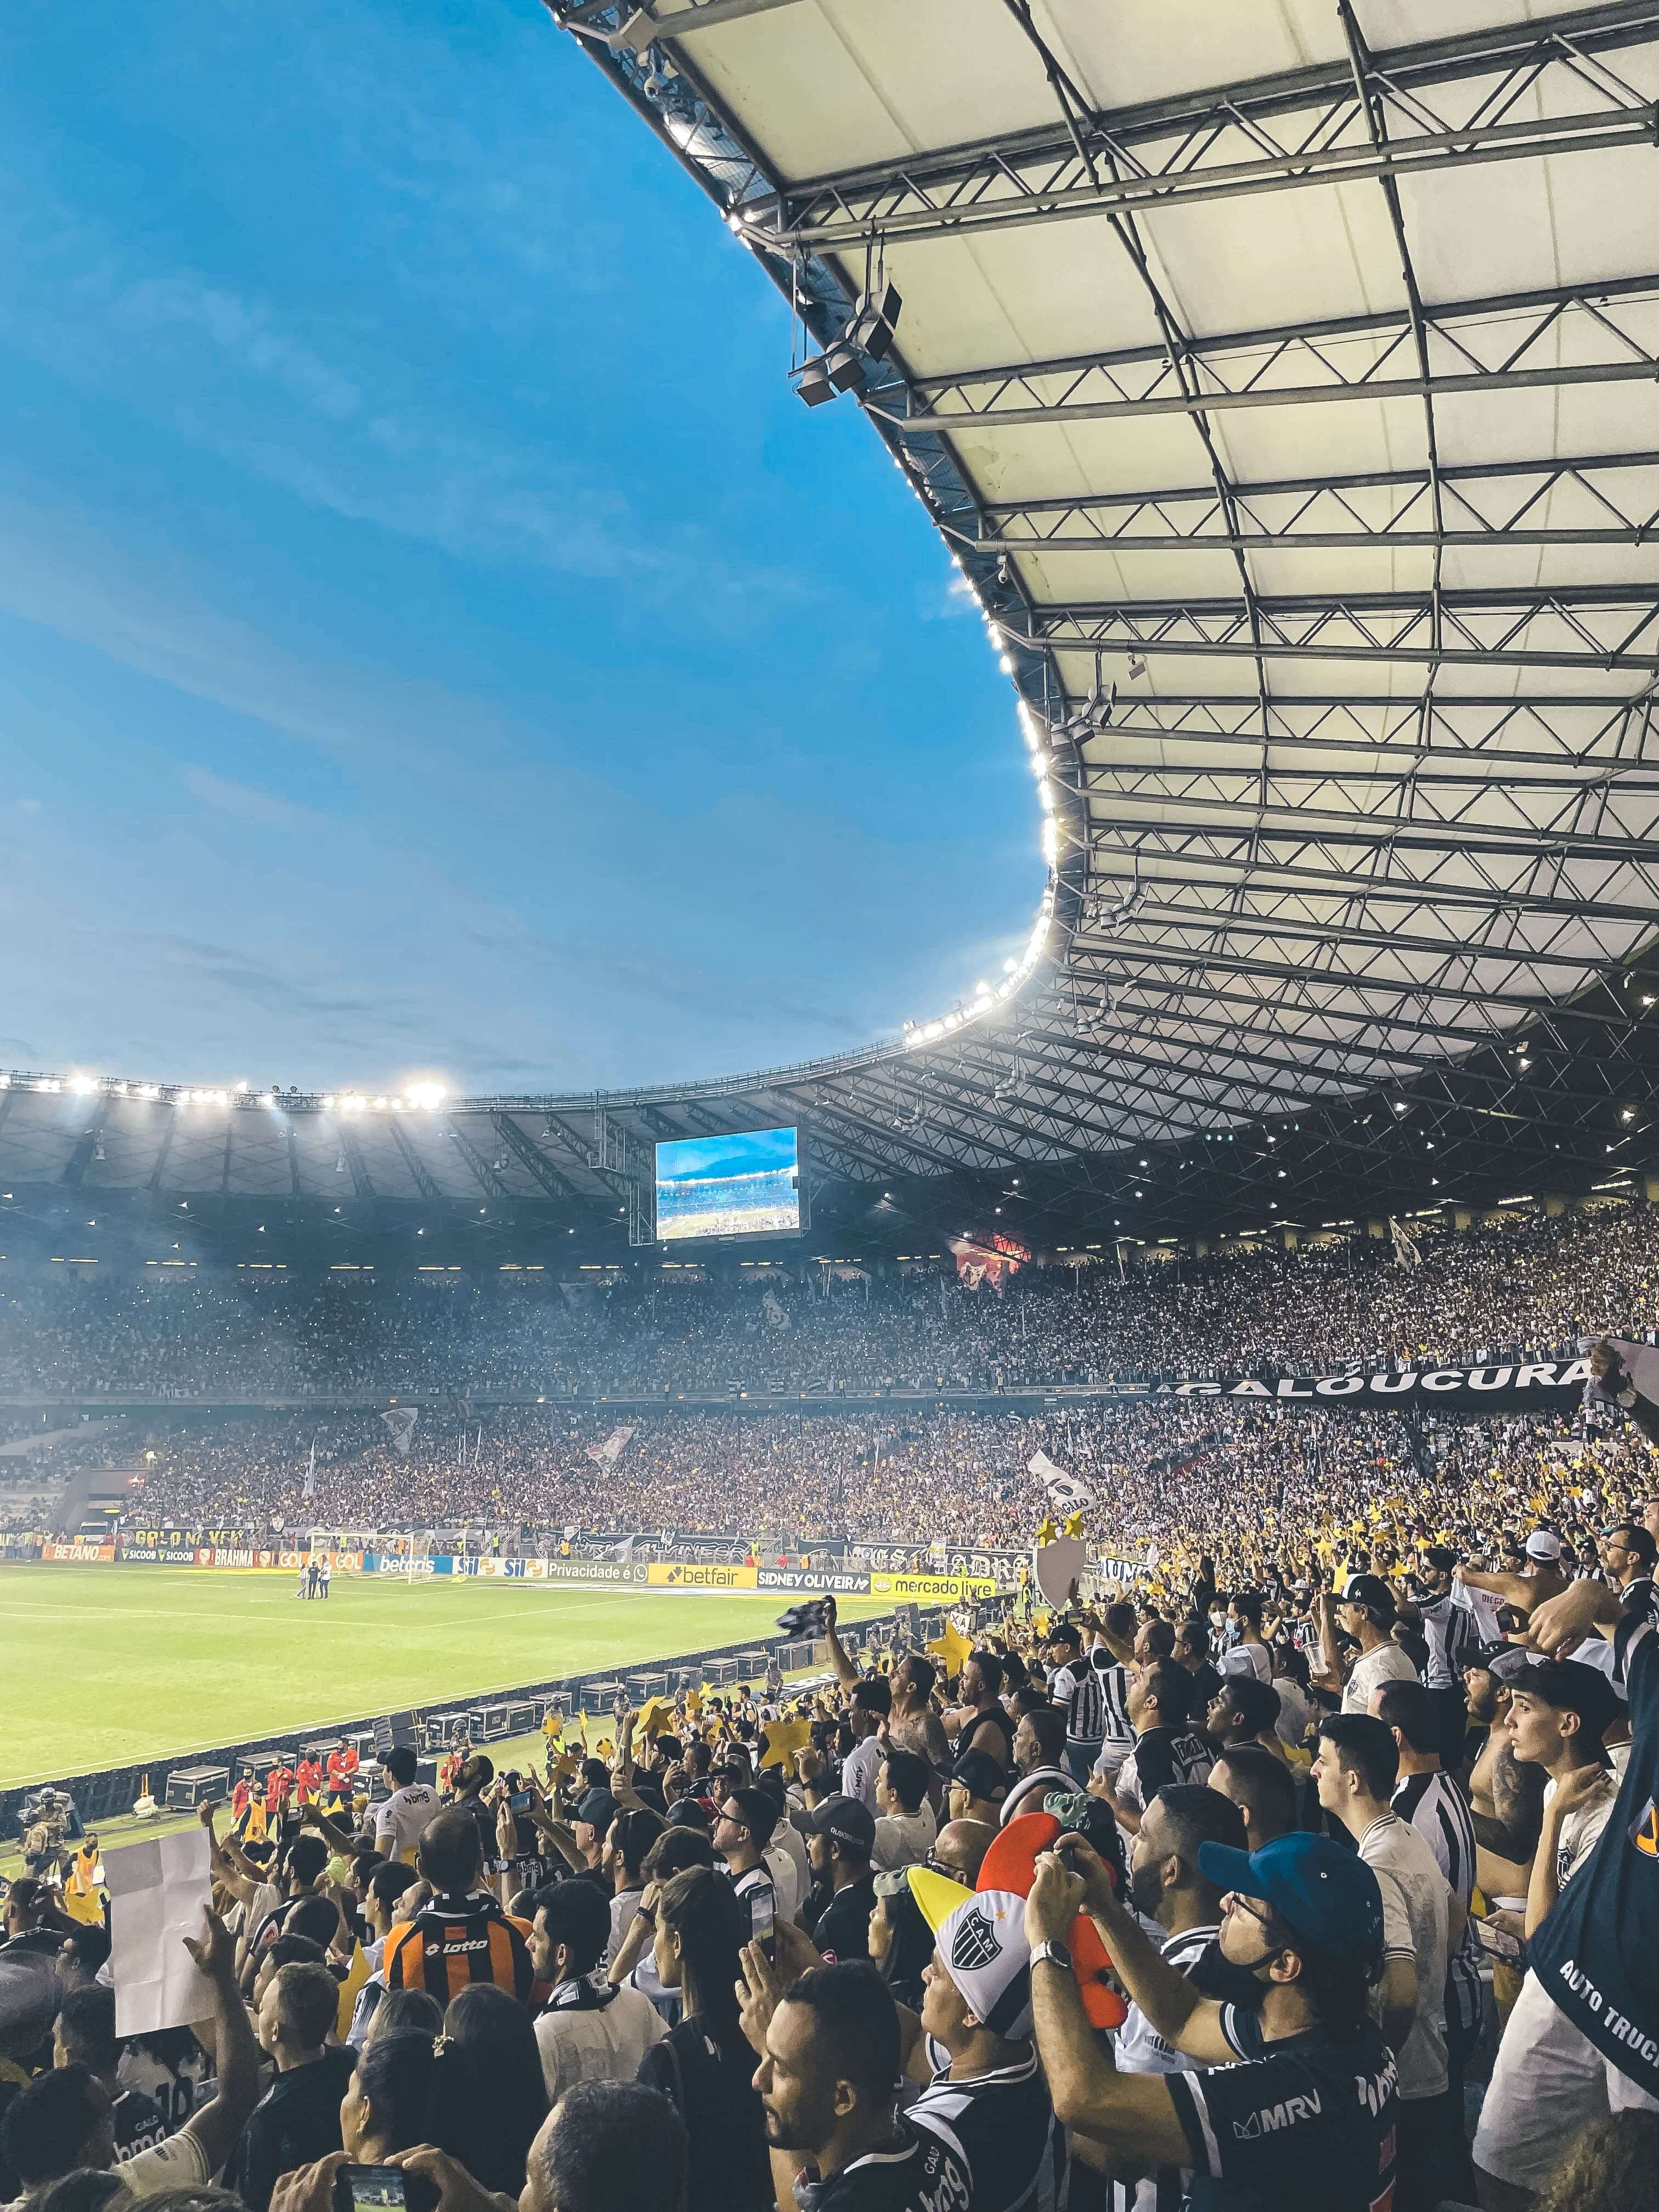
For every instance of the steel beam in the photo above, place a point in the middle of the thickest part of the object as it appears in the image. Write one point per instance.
(1267, 879)
(1322, 826)
(158, 1169)
(1151, 956)
(1554, 376)
(361, 1181)
(1494, 767)
(1221, 142)
(1494, 773)
(76, 1167)
(532, 1157)
(488, 1179)
(1142, 630)
(420, 1173)
(1339, 936)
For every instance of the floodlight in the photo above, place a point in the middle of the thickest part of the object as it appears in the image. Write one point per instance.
(1137, 667)
(812, 383)
(846, 369)
(874, 315)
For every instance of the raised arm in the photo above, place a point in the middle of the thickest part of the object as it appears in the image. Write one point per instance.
(846, 1673)
(1184, 2019)
(235, 2053)
(337, 1838)
(1133, 2113)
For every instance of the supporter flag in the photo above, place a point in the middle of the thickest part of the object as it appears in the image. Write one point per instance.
(310, 1489)
(608, 1453)
(1063, 1490)
(775, 1310)
(401, 1420)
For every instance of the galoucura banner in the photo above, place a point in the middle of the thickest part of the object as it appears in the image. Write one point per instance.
(1540, 1385)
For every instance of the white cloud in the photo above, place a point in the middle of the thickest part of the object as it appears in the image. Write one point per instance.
(246, 801)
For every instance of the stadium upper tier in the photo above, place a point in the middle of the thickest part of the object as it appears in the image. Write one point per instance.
(1528, 1285)
(1286, 386)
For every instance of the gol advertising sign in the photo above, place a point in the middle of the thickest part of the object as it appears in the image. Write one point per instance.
(677, 1574)
(931, 1589)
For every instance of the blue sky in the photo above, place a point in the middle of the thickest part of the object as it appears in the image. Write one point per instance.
(433, 637)
(758, 1153)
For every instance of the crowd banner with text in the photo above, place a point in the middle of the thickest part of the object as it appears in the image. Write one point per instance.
(992, 1565)
(1498, 1387)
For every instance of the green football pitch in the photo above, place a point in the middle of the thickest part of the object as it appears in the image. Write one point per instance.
(109, 1666)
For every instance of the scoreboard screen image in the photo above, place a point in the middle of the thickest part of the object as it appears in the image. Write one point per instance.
(747, 1185)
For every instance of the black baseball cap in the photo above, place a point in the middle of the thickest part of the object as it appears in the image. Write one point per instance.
(597, 1808)
(980, 1775)
(847, 1820)
(1369, 1591)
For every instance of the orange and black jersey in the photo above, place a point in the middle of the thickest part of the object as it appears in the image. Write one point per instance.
(454, 1942)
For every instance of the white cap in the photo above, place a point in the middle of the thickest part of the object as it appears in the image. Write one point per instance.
(1541, 1545)
(983, 1946)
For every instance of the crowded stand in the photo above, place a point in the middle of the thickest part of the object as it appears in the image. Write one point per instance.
(1311, 1846)
(1340, 1879)
(1495, 1290)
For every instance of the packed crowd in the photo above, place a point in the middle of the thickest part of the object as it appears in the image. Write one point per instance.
(526, 1471)
(1322, 1865)
(1503, 1289)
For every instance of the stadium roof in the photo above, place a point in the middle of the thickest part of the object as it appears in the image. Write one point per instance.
(1285, 384)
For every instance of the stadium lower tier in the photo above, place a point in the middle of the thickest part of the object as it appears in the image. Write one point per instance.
(1251, 1483)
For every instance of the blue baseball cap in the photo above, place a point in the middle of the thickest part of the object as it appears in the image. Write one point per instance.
(1317, 1887)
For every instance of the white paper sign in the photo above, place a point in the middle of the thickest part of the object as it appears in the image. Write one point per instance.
(158, 1891)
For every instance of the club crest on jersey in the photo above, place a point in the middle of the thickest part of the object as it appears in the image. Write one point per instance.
(976, 1944)
(1645, 1831)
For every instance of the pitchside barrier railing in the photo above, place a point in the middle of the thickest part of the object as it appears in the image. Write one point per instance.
(105, 1793)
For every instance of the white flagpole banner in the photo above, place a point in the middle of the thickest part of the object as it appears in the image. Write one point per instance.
(1063, 1489)
(401, 1420)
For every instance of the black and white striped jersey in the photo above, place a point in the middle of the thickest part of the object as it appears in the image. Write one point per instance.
(1439, 1810)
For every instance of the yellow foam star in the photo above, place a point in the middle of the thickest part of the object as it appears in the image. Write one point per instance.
(952, 1649)
(784, 1738)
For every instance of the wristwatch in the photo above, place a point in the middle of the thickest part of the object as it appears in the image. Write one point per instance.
(1056, 1951)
